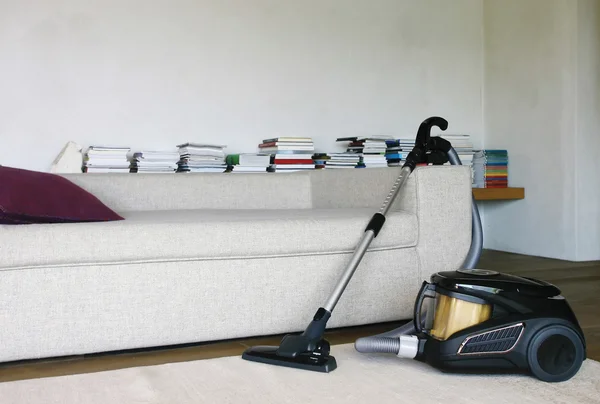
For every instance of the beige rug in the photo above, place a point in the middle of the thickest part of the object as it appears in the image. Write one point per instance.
(359, 379)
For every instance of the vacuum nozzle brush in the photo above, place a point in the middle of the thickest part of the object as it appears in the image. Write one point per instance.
(317, 361)
(308, 351)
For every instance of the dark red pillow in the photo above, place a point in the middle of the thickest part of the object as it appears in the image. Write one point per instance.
(28, 197)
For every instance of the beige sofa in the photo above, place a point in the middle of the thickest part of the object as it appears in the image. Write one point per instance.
(204, 257)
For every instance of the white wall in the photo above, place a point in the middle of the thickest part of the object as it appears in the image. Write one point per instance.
(530, 102)
(151, 74)
(154, 74)
(588, 130)
(542, 91)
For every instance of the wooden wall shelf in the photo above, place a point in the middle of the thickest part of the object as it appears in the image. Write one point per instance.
(498, 194)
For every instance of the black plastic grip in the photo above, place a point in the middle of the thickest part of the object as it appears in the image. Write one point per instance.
(316, 328)
(437, 157)
(423, 134)
(439, 143)
(376, 223)
(418, 155)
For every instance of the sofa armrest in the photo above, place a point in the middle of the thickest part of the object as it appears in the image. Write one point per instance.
(440, 197)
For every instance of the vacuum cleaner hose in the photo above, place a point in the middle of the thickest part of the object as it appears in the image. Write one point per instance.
(405, 346)
(474, 253)
(395, 341)
(378, 345)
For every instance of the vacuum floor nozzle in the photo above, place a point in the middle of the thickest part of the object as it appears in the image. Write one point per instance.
(315, 361)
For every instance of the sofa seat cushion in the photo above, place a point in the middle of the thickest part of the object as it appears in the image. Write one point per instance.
(201, 234)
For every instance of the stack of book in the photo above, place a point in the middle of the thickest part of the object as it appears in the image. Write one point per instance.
(371, 150)
(372, 161)
(320, 160)
(342, 160)
(289, 153)
(394, 154)
(154, 162)
(106, 159)
(461, 143)
(490, 169)
(463, 146)
(248, 163)
(406, 144)
(201, 157)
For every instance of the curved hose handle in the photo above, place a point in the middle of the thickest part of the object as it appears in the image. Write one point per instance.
(424, 133)
(418, 155)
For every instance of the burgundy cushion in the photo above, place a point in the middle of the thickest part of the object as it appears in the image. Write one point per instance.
(35, 197)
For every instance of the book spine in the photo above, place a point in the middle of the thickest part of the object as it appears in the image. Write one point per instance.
(232, 159)
(293, 161)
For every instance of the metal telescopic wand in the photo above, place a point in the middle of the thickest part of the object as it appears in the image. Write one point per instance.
(367, 238)
(311, 340)
(417, 156)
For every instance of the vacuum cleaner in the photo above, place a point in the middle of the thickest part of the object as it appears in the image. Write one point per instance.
(468, 320)
(480, 320)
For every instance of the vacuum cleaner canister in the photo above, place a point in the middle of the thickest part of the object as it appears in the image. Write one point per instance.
(485, 320)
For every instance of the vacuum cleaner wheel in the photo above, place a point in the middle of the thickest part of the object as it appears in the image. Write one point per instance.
(555, 354)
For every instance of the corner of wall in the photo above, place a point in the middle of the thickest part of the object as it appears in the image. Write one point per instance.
(587, 102)
(481, 206)
(576, 253)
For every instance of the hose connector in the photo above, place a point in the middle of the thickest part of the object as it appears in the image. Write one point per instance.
(409, 346)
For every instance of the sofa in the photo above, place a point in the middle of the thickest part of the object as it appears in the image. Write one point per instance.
(208, 257)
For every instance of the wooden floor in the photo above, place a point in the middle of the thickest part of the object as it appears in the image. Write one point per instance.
(579, 282)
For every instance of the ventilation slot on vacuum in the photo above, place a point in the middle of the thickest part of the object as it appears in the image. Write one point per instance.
(501, 340)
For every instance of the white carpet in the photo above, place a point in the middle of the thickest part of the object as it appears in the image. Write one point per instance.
(371, 379)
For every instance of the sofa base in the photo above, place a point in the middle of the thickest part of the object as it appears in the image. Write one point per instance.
(74, 310)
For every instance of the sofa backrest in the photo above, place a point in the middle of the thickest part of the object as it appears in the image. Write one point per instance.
(364, 188)
(325, 189)
(142, 192)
